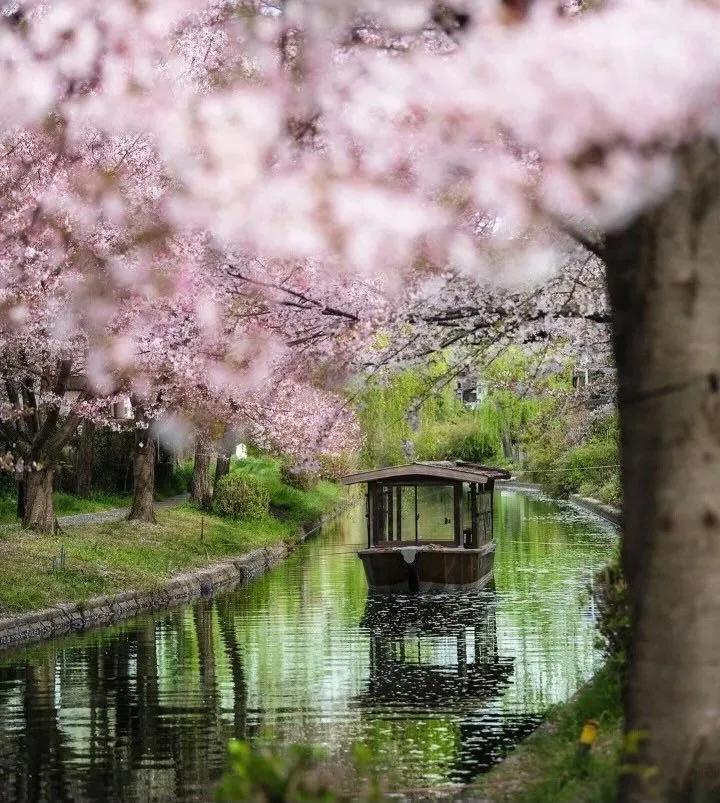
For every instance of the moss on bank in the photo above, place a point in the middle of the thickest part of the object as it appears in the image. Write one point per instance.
(114, 556)
(546, 768)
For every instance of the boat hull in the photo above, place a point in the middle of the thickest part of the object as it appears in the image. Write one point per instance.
(403, 569)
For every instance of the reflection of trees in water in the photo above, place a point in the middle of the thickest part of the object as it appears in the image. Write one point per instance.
(543, 565)
(43, 745)
(135, 741)
(145, 708)
(433, 654)
(226, 623)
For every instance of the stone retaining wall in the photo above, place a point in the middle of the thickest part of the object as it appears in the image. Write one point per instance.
(607, 512)
(59, 620)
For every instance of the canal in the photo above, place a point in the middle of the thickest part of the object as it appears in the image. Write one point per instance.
(438, 688)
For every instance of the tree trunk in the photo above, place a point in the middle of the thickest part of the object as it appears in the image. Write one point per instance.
(143, 478)
(38, 509)
(84, 459)
(201, 487)
(20, 498)
(222, 466)
(664, 284)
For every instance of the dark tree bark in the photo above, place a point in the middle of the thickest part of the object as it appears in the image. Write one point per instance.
(222, 466)
(201, 492)
(664, 284)
(39, 434)
(84, 459)
(143, 508)
(21, 498)
(38, 502)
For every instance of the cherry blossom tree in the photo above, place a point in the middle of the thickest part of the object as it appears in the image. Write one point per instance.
(378, 145)
(217, 357)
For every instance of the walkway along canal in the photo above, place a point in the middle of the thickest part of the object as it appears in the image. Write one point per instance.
(439, 688)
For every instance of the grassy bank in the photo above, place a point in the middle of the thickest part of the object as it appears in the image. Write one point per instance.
(110, 557)
(547, 768)
(289, 504)
(65, 504)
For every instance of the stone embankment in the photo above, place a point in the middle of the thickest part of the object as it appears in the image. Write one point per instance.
(62, 619)
(586, 503)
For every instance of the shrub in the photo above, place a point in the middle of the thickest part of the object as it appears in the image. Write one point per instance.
(588, 468)
(611, 491)
(241, 496)
(613, 607)
(297, 477)
(335, 466)
(297, 773)
(261, 775)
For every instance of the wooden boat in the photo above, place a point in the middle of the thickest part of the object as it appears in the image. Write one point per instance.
(429, 525)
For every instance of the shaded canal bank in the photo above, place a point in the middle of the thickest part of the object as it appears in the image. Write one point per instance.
(438, 689)
(546, 767)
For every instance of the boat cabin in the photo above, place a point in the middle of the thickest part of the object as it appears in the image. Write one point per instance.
(435, 518)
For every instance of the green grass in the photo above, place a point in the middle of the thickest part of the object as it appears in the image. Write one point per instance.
(546, 768)
(105, 558)
(114, 556)
(67, 504)
(291, 504)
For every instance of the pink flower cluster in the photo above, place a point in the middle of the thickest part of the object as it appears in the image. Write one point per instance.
(216, 206)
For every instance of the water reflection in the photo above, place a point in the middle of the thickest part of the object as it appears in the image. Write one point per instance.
(430, 652)
(437, 687)
(440, 654)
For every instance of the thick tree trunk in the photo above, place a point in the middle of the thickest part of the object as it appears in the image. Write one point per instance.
(201, 486)
(20, 498)
(38, 509)
(664, 284)
(143, 478)
(84, 459)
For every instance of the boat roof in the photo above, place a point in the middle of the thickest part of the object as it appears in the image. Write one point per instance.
(431, 470)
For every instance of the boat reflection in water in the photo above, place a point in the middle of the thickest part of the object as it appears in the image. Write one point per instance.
(440, 653)
(436, 687)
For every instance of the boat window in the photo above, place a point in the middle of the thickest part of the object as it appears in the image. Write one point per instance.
(415, 513)
(407, 512)
(436, 517)
(467, 510)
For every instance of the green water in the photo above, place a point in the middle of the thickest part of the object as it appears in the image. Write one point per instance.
(439, 688)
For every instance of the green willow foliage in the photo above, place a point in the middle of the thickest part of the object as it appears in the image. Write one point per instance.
(387, 406)
(417, 411)
(526, 419)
